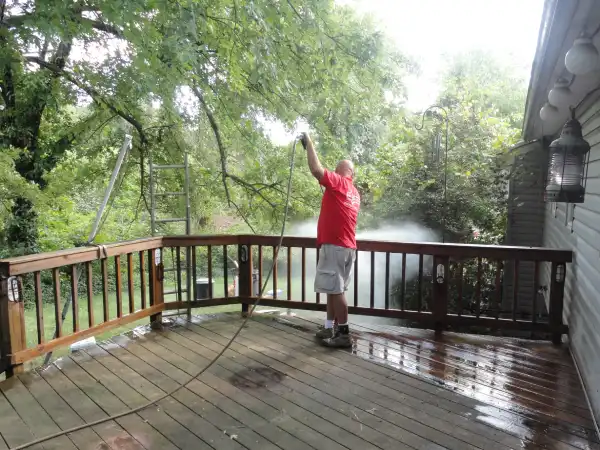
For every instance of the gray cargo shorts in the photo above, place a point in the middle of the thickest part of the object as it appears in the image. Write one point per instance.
(334, 269)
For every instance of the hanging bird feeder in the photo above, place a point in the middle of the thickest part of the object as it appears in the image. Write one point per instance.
(436, 144)
(566, 171)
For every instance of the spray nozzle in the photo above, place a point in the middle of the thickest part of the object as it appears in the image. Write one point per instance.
(302, 138)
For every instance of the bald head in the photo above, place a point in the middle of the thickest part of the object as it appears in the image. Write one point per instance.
(345, 168)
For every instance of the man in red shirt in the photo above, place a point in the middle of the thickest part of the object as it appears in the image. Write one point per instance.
(336, 239)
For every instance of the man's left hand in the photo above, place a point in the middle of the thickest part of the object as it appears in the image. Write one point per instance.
(304, 139)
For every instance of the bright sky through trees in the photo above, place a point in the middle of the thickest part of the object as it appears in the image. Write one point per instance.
(428, 30)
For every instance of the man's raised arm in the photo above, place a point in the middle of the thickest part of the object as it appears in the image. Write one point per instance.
(313, 160)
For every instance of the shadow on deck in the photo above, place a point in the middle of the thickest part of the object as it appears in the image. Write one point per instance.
(276, 389)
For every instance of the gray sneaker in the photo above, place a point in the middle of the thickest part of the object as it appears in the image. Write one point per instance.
(339, 340)
(324, 333)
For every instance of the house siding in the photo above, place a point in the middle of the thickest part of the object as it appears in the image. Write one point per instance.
(526, 209)
(580, 231)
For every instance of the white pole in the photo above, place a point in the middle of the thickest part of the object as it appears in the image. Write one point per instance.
(111, 184)
(126, 146)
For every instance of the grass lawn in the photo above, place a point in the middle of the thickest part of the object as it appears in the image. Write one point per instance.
(98, 313)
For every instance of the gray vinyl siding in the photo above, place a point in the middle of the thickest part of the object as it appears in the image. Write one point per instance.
(582, 285)
(526, 210)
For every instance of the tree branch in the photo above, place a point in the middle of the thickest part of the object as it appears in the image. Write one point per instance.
(252, 188)
(44, 49)
(18, 21)
(295, 10)
(92, 92)
(6, 82)
(101, 26)
(217, 133)
(239, 211)
(2, 10)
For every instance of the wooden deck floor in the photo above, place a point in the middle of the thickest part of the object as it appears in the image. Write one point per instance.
(276, 389)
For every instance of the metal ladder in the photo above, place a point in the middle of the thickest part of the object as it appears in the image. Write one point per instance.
(154, 221)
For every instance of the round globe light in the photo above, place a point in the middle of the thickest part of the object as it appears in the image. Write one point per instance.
(549, 113)
(560, 95)
(582, 58)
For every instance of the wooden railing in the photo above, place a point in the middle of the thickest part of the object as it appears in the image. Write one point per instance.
(440, 285)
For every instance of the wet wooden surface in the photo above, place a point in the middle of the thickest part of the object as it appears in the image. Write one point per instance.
(275, 388)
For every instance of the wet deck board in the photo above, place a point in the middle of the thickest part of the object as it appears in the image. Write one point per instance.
(274, 388)
(514, 414)
(319, 377)
(391, 384)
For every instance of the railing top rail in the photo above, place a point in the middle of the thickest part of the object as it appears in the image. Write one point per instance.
(44, 261)
(209, 239)
(50, 260)
(497, 252)
(500, 252)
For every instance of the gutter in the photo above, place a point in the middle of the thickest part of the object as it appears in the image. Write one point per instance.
(509, 158)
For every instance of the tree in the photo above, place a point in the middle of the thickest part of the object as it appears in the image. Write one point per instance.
(167, 68)
(484, 104)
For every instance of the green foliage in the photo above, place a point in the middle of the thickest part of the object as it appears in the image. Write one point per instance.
(484, 106)
(200, 76)
(204, 77)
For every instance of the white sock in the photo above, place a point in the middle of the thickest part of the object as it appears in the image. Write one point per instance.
(328, 324)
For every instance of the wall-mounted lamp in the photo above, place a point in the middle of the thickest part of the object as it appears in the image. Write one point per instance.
(566, 171)
(440, 273)
(560, 273)
(549, 113)
(561, 95)
(583, 57)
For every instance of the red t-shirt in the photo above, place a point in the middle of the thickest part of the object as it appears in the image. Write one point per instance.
(339, 210)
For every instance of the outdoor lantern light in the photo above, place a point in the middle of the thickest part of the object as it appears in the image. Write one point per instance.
(440, 273)
(560, 273)
(549, 113)
(582, 58)
(560, 95)
(566, 169)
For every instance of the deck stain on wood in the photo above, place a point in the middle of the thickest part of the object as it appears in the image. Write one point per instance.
(531, 426)
(120, 443)
(253, 377)
(274, 389)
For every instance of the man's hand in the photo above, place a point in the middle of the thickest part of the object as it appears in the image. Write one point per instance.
(313, 160)
(304, 138)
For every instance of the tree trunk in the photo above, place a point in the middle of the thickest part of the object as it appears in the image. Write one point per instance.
(21, 231)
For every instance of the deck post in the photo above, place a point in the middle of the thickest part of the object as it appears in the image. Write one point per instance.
(157, 273)
(12, 323)
(440, 292)
(245, 274)
(557, 291)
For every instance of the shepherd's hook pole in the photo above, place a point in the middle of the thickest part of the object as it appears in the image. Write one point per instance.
(446, 119)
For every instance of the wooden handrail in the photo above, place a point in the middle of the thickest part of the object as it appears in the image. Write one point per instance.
(187, 241)
(419, 248)
(50, 260)
(13, 347)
